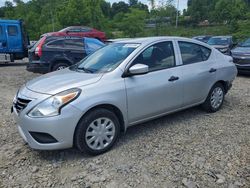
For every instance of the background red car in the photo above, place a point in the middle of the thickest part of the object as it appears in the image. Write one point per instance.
(80, 31)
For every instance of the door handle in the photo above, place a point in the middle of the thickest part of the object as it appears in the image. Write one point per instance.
(173, 78)
(212, 70)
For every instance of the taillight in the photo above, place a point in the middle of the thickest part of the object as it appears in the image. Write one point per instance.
(38, 50)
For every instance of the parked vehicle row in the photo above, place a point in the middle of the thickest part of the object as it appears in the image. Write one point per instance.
(225, 44)
(14, 40)
(241, 57)
(122, 84)
(80, 31)
(53, 53)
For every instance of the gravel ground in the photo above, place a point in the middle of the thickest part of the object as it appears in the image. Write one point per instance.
(186, 149)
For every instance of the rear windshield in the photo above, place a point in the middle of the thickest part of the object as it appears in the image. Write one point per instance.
(36, 44)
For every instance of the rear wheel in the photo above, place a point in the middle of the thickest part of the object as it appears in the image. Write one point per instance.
(60, 66)
(215, 98)
(97, 131)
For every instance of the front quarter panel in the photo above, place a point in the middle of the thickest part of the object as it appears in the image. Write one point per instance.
(110, 90)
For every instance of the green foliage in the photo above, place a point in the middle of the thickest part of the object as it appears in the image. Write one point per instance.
(123, 19)
(133, 23)
(230, 10)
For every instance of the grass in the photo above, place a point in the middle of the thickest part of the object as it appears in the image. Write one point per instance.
(190, 32)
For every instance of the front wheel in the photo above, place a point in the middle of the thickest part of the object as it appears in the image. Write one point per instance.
(97, 131)
(60, 66)
(215, 98)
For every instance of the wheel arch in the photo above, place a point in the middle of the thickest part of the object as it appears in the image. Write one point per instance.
(225, 84)
(110, 107)
(55, 61)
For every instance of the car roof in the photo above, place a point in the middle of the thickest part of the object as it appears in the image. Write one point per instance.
(202, 36)
(225, 36)
(147, 40)
(10, 21)
(73, 27)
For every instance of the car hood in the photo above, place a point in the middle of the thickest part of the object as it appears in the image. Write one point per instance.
(220, 46)
(241, 50)
(55, 82)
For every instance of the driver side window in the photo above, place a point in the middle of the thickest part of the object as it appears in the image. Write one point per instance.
(158, 56)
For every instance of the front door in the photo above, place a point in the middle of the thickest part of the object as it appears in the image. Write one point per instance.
(3, 39)
(158, 91)
(14, 38)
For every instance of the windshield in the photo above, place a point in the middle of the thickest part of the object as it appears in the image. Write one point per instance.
(107, 58)
(218, 41)
(246, 43)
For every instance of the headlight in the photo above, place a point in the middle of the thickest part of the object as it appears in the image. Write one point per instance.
(52, 106)
(15, 97)
(223, 49)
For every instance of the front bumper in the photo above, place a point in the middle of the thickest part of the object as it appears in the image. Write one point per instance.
(242, 64)
(243, 69)
(61, 127)
(38, 67)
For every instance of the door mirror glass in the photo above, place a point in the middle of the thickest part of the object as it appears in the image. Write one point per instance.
(138, 69)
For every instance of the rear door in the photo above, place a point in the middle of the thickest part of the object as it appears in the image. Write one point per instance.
(14, 38)
(3, 39)
(74, 49)
(198, 71)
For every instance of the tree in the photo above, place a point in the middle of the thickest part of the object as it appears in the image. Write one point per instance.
(230, 10)
(133, 2)
(119, 7)
(133, 22)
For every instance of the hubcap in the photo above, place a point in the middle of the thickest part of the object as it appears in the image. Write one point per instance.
(61, 67)
(100, 133)
(216, 97)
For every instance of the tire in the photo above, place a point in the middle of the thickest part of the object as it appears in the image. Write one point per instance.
(59, 66)
(215, 98)
(86, 138)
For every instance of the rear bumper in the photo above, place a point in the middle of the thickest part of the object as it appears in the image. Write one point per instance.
(38, 67)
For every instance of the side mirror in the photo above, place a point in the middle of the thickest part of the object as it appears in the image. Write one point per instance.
(235, 44)
(240, 43)
(137, 69)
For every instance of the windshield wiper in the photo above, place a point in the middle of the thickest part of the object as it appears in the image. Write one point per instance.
(85, 69)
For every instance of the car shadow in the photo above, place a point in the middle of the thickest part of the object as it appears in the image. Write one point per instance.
(13, 64)
(243, 75)
(131, 134)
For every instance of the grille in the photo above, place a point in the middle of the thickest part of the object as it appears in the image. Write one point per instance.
(241, 61)
(20, 104)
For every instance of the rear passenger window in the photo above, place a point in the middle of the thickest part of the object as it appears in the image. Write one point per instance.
(74, 43)
(193, 53)
(12, 30)
(56, 44)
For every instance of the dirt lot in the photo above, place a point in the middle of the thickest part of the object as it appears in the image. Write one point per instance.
(187, 149)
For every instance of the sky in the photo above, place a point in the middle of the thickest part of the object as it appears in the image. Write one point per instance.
(182, 3)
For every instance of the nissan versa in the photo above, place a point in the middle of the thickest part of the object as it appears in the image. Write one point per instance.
(125, 83)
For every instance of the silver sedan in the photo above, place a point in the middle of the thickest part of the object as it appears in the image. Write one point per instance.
(122, 84)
